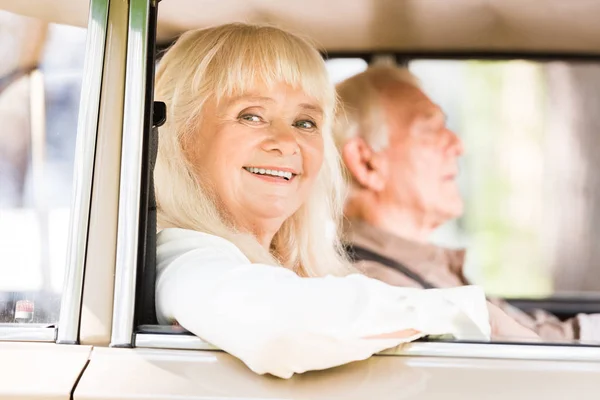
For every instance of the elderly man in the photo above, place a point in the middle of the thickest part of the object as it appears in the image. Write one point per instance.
(401, 161)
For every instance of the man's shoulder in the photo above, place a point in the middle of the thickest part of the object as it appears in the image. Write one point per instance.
(432, 263)
(376, 270)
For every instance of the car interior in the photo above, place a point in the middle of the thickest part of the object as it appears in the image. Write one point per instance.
(405, 31)
(89, 330)
(561, 306)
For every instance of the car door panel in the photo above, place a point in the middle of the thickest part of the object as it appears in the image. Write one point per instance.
(40, 370)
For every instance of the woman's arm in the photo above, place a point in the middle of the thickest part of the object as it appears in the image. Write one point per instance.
(279, 323)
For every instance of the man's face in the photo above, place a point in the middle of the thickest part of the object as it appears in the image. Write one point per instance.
(422, 156)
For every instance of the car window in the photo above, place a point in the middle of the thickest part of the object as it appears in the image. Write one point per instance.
(40, 81)
(528, 173)
(528, 183)
(528, 180)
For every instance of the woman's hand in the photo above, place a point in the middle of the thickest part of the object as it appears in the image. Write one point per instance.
(505, 327)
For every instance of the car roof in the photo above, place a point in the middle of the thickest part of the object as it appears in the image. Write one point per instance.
(502, 26)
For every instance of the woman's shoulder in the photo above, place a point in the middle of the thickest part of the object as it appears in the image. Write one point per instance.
(173, 242)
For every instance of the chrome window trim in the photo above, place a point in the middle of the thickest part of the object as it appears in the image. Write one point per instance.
(98, 287)
(497, 351)
(85, 149)
(504, 351)
(131, 172)
(166, 341)
(27, 333)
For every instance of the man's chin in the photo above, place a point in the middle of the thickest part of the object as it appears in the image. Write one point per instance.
(457, 212)
(453, 211)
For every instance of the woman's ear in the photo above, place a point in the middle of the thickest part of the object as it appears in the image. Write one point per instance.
(364, 164)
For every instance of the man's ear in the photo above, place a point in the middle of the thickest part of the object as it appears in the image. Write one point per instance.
(364, 164)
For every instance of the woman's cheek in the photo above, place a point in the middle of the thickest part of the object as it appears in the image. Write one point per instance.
(313, 157)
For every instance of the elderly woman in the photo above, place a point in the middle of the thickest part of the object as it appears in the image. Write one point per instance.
(247, 178)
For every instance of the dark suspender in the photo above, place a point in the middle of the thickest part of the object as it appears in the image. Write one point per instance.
(357, 253)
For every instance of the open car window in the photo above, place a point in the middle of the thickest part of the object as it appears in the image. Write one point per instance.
(516, 119)
(528, 173)
(528, 177)
(40, 83)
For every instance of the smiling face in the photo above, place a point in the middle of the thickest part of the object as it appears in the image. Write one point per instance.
(259, 155)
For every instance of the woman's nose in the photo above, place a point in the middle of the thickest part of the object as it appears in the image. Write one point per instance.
(283, 140)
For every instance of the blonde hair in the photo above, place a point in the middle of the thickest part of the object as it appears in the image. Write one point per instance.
(226, 60)
(361, 112)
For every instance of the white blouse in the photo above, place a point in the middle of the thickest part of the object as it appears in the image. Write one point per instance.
(279, 323)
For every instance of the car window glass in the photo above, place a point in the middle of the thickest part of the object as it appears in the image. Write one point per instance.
(39, 99)
(527, 173)
(528, 178)
(528, 181)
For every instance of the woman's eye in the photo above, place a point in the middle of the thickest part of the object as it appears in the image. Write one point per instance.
(305, 124)
(251, 118)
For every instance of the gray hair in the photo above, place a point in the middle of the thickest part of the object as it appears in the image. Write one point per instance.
(361, 112)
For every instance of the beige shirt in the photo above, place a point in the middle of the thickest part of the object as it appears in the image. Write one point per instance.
(442, 268)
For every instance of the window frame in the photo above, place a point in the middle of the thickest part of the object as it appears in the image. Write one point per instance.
(174, 338)
(87, 133)
(137, 121)
(70, 307)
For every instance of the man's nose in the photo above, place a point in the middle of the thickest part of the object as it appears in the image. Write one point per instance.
(455, 143)
(282, 139)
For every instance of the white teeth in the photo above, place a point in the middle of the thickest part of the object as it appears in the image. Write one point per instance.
(272, 172)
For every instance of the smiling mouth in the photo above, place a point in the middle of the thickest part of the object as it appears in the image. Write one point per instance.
(284, 175)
